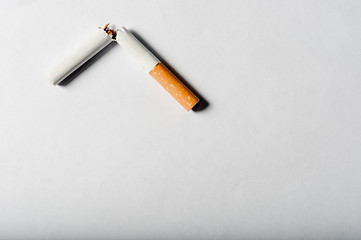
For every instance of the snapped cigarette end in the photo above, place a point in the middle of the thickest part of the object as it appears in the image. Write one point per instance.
(109, 31)
(86, 51)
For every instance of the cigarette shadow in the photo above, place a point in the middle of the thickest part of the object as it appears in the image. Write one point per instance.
(87, 64)
(203, 103)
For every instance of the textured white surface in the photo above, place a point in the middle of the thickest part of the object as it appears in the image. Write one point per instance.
(111, 155)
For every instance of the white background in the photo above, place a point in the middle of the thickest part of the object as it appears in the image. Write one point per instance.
(276, 154)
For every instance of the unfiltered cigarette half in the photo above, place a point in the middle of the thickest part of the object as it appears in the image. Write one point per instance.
(156, 69)
(77, 58)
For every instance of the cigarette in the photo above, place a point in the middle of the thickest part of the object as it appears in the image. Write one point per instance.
(156, 69)
(82, 54)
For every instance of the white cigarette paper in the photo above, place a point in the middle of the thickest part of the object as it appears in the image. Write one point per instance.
(82, 54)
(139, 52)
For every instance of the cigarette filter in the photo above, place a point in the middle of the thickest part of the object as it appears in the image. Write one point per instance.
(156, 69)
(82, 54)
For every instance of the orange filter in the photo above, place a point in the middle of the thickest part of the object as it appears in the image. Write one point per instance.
(174, 86)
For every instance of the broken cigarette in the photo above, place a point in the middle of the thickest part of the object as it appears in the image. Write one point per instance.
(82, 54)
(142, 55)
(157, 69)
